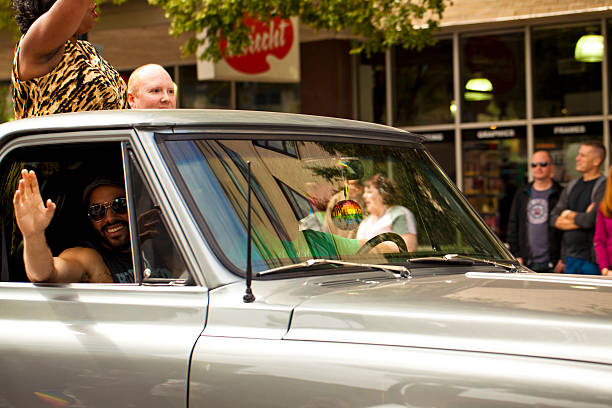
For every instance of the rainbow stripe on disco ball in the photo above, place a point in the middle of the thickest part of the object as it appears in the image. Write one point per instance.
(347, 215)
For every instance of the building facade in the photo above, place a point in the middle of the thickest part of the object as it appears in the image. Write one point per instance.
(503, 80)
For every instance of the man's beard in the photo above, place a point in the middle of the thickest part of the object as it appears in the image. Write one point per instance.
(123, 244)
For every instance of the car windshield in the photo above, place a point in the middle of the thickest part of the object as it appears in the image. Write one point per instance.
(325, 200)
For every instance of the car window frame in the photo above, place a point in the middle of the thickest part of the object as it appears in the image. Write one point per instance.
(132, 170)
(181, 226)
(123, 138)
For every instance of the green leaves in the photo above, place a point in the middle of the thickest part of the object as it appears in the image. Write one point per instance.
(7, 19)
(376, 24)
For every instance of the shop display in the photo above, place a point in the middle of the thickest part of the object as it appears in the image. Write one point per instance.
(493, 170)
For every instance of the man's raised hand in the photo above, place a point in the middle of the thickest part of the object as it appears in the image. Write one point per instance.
(31, 213)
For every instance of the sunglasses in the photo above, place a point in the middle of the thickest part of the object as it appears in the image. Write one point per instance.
(98, 211)
(542, 164)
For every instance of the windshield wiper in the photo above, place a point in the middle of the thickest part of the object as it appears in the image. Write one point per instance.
(457, 259)
(402, 270)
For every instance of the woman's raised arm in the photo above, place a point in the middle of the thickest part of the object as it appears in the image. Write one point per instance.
(42, 45)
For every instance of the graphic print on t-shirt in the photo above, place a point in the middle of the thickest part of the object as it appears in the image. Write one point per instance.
(537, 211)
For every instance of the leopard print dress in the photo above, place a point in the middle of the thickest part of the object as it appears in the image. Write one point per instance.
(83, 80)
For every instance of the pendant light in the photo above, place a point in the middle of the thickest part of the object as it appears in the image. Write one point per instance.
(589, 48)
(478, 89)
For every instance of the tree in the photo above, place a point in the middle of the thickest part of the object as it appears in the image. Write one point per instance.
(376, 24)
(7, 15)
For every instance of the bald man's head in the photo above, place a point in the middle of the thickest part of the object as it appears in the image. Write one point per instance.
(542, 166)
(150, 87)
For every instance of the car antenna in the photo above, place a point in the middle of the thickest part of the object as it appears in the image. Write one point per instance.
(249, 297)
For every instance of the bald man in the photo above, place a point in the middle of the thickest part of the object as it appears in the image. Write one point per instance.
(533, 241)
(150, 87)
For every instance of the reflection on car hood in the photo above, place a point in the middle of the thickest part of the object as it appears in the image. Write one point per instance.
(520, 314)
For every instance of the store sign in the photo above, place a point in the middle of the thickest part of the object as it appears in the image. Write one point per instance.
(584, 130)
(569, 130)
(495, 133)
(273, 56)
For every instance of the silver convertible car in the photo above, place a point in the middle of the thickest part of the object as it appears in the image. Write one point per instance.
(295, 261)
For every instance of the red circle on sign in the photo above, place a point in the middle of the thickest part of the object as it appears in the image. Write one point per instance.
(272, 38)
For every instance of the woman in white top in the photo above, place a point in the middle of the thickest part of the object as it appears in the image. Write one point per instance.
(384, 216)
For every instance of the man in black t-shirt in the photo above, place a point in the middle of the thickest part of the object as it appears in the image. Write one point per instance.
(576, 210)
(533, 241)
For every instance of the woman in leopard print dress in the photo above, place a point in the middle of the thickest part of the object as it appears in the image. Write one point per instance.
(53, 72)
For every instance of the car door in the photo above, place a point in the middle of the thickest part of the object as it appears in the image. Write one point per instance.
(94, 344)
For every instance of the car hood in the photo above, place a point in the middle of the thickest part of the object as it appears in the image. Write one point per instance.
(522, 314)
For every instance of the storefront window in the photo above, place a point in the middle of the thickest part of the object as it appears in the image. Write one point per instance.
(494, 166)
(493, 77)
(268, 96)
(423, 85)
(563, 142)
(566, 81)
(441, 145)
(202, 94)
(372, 91)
